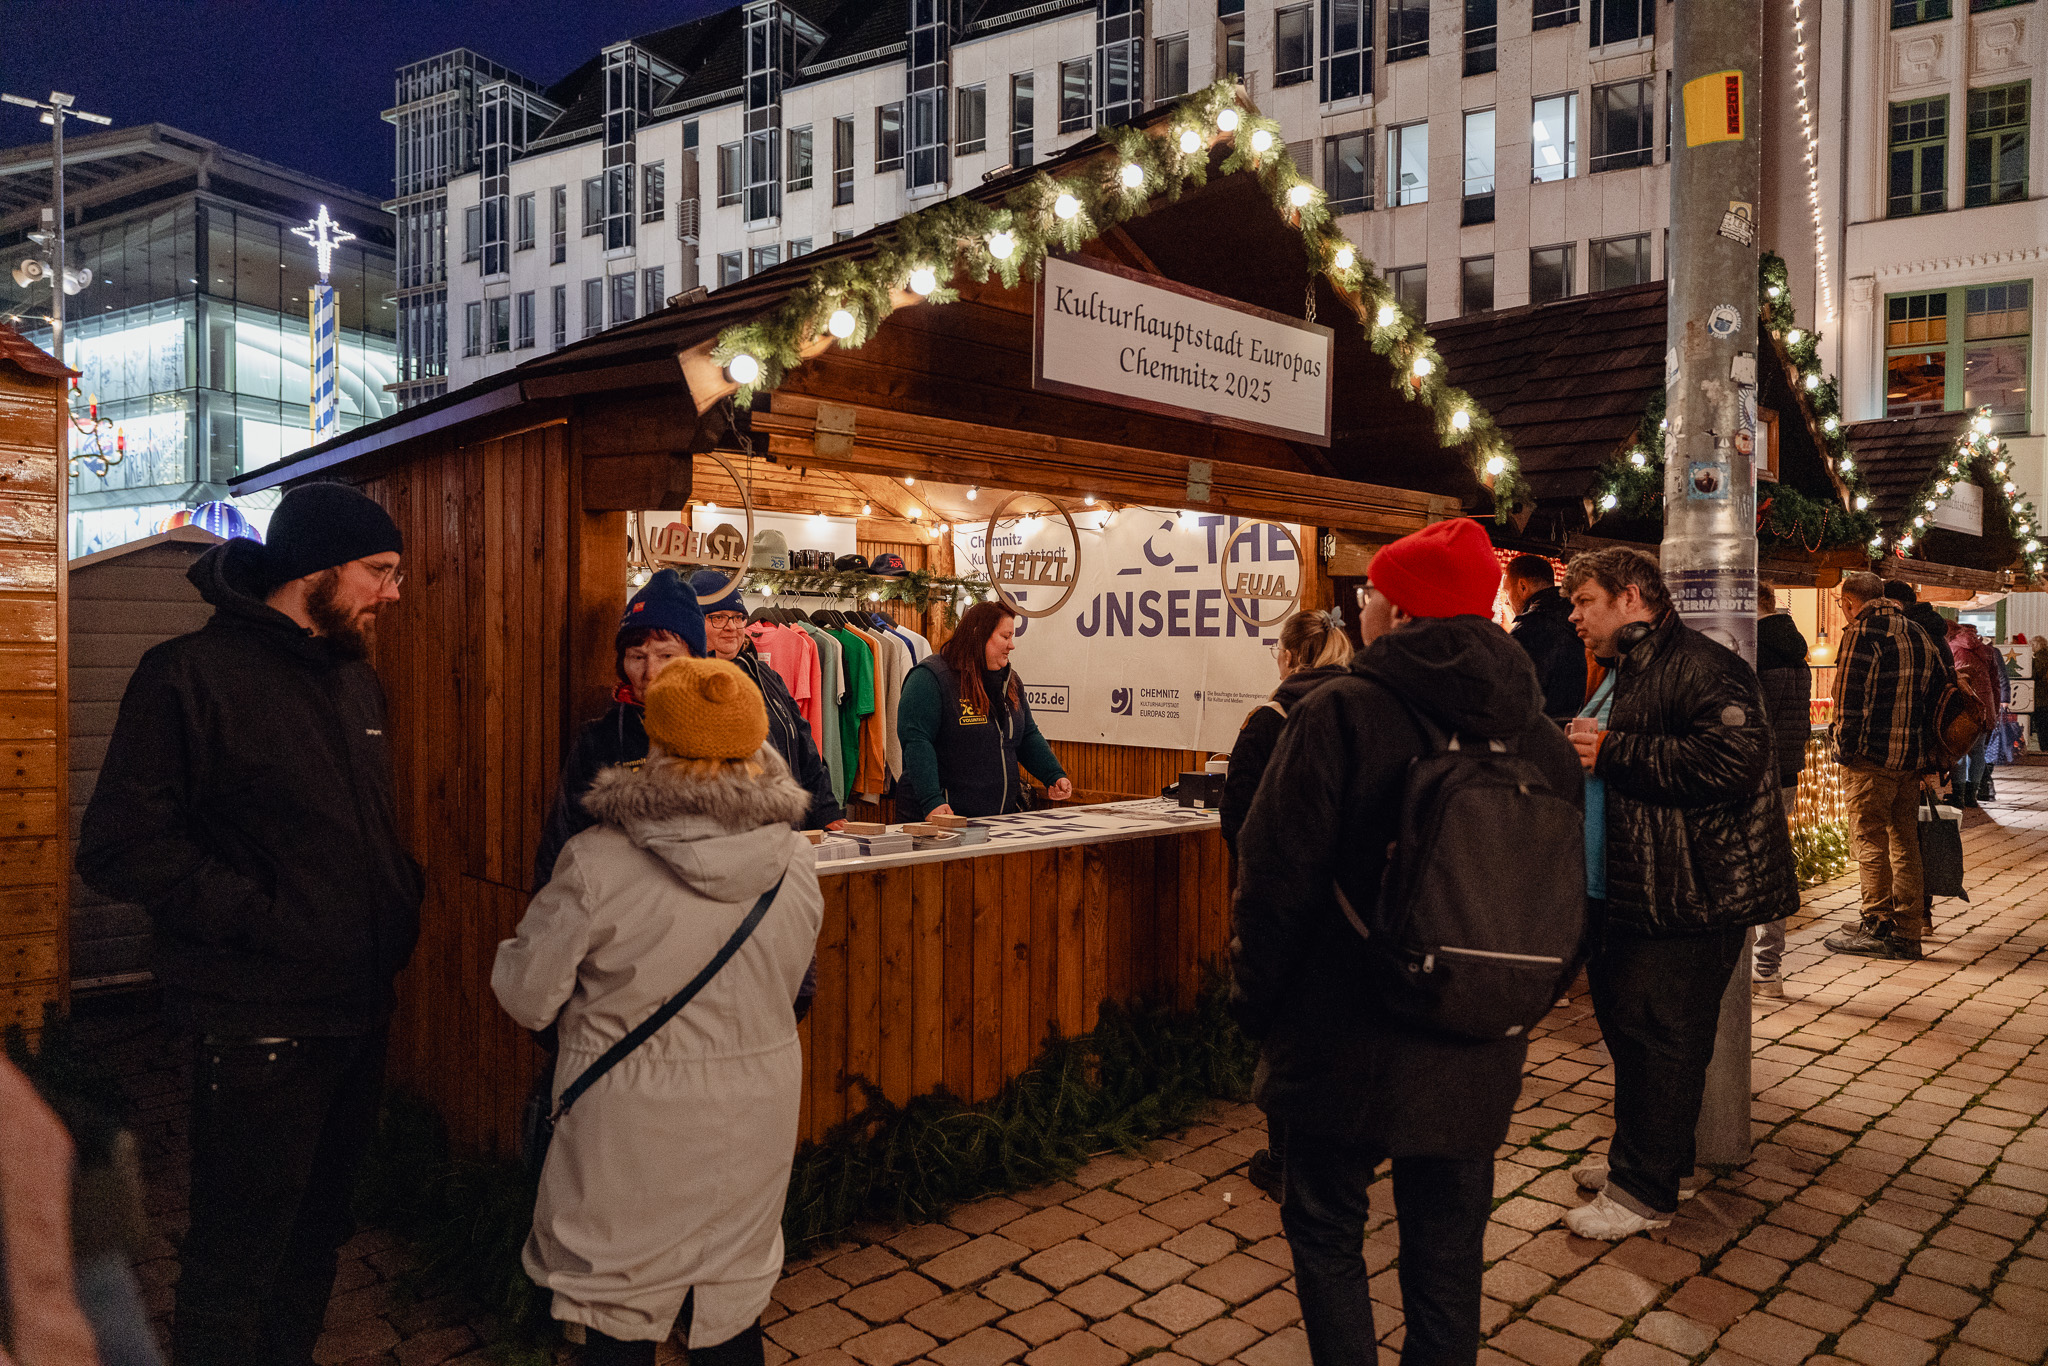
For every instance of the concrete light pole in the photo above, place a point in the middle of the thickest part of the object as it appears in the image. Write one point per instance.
(54, 111)
(1710, 375)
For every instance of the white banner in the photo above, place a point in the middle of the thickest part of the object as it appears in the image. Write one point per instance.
(1137, 341)
(1146, 651)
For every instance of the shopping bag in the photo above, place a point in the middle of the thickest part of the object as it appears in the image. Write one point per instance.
(1941, 848)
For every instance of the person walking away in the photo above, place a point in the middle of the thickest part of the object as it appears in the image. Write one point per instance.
(1351, 1082)
(725, 631)
(1543, 627)
(965, 726)
(1979, 669)
(1923, 615)
(1787, 682)
(661, 1197)
(246, 802)
(1687, 849)
(1887, 675)
(661, 624)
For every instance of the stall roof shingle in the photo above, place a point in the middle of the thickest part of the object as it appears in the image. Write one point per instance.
(1895, 455)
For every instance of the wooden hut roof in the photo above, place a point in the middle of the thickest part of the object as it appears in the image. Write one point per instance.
(18, 350)
(1896, 456)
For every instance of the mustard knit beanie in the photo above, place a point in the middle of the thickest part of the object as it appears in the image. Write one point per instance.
(706, 709)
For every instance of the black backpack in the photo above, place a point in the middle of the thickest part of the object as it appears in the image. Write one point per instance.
(1480, 922)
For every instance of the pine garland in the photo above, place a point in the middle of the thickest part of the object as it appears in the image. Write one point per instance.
(847, 300)
(1976, 449)
(916, 588)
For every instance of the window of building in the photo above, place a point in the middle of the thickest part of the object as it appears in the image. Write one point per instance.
(1553, 13)
(690, 135)
(1347, 50)
(1408, 164)
(522, 219)
(1906, 13)
(1023, 118)
(799, 246)
(1077, 107)
(842, 160)
(1120, 57)
(971, 123)
(1293, 46)
(927, 81)
(1170, 67)
(889, 137)
(522, 320)
(1621, 21)
(1407, 29)
(1918, 173)
(1475, 284)
(838, 236)
(731, 269)
(1411, 290)
(1554, 138)
(761, 155)
(498, 324)
(558, 307)
(1230, 47)
(473, 233)
(1622, 133)
(624, 297)
(558, 225)
(653, 192)
(593, 307)
(1478, 206)
(1482, 33)
(729, 173)
(654, 287)
(802, 164)
(1995, 155)
(1979, 6)
(1621, 261)
(1980, 332)
(1347, 172)
(473, 329)
(1550, 274)
(763, 258)
(593, 206)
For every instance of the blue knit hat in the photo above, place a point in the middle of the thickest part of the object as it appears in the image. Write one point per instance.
(710, 581)
(665, 604)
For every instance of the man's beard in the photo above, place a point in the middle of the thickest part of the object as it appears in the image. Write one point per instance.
(349, 635)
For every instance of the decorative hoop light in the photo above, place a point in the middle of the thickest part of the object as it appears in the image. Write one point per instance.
(988, 545)
(1230, 597)
(638, 526)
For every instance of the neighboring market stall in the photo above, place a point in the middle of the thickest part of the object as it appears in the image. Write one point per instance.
(938, 398)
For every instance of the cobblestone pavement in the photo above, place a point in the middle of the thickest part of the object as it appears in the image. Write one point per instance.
(1891, 1214)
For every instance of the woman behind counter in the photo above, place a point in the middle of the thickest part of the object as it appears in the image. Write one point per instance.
(965, 727)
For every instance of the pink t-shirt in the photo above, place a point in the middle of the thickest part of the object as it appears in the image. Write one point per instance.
(794, 656)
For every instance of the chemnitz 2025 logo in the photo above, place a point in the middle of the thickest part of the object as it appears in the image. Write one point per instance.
(1119, 701)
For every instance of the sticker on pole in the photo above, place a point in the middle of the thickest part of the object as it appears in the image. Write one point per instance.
(1707, 481)
(1739, 223)
(1713, 109)
(1723, 321)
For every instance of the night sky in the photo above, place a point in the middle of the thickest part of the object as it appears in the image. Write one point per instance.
(297, 82)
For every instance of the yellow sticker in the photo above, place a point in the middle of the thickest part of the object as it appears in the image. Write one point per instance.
(1713, 108)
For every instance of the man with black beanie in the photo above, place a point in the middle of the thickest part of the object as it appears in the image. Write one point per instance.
(246, 802)
(1923, 615)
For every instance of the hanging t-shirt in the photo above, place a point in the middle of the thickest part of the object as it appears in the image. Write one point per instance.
(790, 653)
(829, 669)
(860, 700)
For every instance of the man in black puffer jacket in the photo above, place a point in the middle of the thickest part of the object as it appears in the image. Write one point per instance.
(1352, 1084)
(1686, 849)
(246, 802)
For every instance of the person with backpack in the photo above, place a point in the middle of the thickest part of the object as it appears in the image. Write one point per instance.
(1687, 849)
(1392, 1006)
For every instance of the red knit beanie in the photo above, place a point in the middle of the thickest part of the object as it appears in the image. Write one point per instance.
(1447, 569)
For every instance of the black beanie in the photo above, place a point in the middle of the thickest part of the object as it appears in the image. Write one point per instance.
(319, 526)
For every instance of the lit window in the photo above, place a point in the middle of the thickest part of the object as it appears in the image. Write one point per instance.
(1554, 139)
(1408, 164)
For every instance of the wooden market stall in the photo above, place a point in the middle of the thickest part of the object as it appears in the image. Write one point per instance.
(514, 497)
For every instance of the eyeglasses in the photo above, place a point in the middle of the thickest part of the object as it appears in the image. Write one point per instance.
(389, 574)
(725, 621)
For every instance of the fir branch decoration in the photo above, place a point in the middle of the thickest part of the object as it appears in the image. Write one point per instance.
(1975, 449)
(1135, 168)
(916, 588)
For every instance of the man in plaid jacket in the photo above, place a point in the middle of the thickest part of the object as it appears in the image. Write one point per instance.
(1885, 683)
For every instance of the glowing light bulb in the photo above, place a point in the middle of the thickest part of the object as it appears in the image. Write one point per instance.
(914, 514)
(1133, 175)
(2009, 487)
(1608, 502)
(1929, 504)
(1998, 468)
(1828, 424)
(1065, 207)
(1262, 141)
(1300, 195)
(1461, 421)
(1812, 383)
(1982, 425)
(1862, 504)
(1423, 365)
(1185, 520)
(1774, 291)
(909, 481)
(1345, 257)
(1226, 120)
(972, 494)
(923, 280)
(1387, 314)
(1088, 500)
(1001, 244)
(867, 509)
(1793, 337)
(874, 597)
(841, 324)
(1497, 465)
(1190, 142)
(767, 590)
(1941, 486)
(711, 507)
(1848, 466)
(1638, 459)
(743, 369)
(1919, 521)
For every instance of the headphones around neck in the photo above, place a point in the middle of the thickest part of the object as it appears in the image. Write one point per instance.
(1630, 636)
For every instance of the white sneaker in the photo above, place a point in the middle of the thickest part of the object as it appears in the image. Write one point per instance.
(1609, 1221)
(1591, 1175)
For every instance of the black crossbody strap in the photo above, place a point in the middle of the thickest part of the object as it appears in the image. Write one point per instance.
(648, 1027)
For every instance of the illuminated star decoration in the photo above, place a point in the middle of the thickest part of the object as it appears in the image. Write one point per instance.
(325, 234)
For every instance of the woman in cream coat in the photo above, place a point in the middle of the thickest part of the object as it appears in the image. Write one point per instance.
(663, 1189)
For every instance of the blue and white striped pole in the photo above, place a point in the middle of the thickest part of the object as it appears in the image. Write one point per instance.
(325, 235)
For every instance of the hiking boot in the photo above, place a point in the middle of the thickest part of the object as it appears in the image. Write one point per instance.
(1610, 1221)
(1966, 800)
(1767, 986)
(1591, 1175)
(1984, 790)
(1265, 1172)
(1861, 940)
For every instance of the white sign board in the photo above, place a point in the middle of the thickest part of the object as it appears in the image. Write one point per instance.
(1962, 510)
(1115, 336)
(1146, 651)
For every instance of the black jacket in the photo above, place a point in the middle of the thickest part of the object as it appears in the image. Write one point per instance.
(1333, 1063)
(1544, 628)
(1256, 737)
(246, 802)
(1924, 615)
(1696, 835)
(1787, 682)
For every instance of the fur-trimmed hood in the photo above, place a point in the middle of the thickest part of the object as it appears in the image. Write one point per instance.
(726, 837)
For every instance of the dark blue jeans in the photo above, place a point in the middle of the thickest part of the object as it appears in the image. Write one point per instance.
(1441, 1204)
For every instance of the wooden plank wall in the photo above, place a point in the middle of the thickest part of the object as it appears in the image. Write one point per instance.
(955, 973)
(35, 855)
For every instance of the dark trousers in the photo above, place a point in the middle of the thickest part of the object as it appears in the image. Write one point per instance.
(278, 1130)
(1658, 1002)
(1441, 1203)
